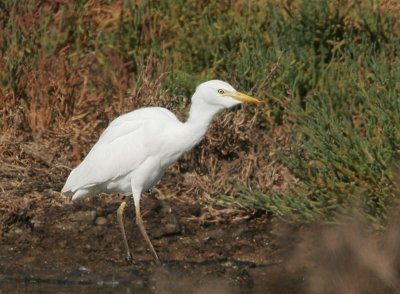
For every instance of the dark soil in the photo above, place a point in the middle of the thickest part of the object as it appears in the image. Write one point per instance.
(78, 247)
(49, 245)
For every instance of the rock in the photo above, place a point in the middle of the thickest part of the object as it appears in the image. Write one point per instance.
(101, 221)
(62, 244)
(165, 208)
(171, 229)
(37, 224)
(87, 217)
(195, 210)
(170, 226)
(84, 269)
(238, 233)
(66, 226)
(218, 234)
(18, 231)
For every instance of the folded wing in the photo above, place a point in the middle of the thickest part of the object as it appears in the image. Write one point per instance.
(122, 147)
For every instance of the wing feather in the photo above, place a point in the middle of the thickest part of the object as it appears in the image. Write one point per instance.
(122, 147)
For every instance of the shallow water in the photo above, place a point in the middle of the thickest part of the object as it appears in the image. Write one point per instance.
(33, 287)
(214, 276)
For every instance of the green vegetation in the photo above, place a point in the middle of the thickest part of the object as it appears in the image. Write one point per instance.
(344, 103)
(328, 69)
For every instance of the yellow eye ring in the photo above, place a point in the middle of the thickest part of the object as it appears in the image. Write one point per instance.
(221, 91)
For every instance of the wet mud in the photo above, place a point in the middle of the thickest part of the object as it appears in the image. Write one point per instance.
(78, 247)
(72, 248)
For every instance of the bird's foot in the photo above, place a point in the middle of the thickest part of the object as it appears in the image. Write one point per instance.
(157, 261)
(129, 259)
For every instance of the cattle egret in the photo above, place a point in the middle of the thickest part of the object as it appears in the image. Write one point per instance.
(134, 151)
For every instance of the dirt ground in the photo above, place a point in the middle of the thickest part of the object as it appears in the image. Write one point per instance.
(49, 245)
(76, 248)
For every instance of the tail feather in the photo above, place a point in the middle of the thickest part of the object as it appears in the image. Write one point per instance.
(81, 194)
(71, 191)
(77, 185)
(68, 189)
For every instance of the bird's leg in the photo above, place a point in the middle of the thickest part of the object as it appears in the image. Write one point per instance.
(120, 217)
(140, 224)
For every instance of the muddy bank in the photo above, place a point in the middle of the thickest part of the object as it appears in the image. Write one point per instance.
(77, 248)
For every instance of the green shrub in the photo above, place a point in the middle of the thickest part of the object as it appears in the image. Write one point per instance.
(345, 111)
(328, 69)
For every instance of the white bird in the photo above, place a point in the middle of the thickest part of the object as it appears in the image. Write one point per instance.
(134, 151)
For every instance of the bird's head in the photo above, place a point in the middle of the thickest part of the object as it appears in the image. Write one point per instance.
(221, 94)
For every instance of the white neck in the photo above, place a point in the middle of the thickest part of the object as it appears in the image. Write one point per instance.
(200, 117)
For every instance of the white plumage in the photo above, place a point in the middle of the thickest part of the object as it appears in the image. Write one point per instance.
(134, 151)
(138, 144)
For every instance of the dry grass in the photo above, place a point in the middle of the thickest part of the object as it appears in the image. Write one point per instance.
(60, 101)
(36, 154)
(69, 68)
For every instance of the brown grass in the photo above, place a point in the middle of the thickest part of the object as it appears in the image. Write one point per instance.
(40, 145)
(59, 103)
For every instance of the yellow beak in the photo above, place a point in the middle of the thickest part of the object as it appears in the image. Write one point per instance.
(243, 98)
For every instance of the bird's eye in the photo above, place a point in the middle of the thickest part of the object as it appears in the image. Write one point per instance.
(221, 91)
